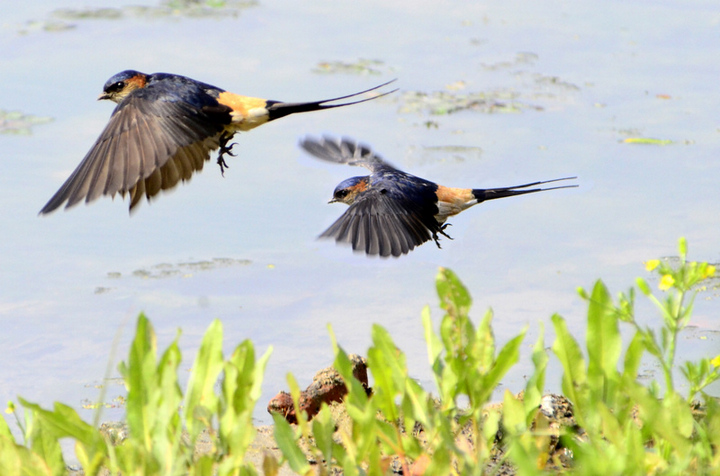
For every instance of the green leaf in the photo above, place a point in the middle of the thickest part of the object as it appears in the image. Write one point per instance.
(434, 345)
(64, 422)
(164, 419)
(535, 386)
(203, 466)
(513, 419)
(643, 286)
(242, 378)
(153, 401)
(485, 343)
(17, 459)
(258, 373)
(668, 419)
(682, 248)
(415, 401)
(301, 416)
(611, 428)
(633, 357)
(582, 293)
(140, 379)
(603, 343)
(323, 428)
(47, 447)
(357, 396)
(286, 441)
(507, 357)
(387, 364)
(568, 352)
(679, 413)
(5, 430)
(201, 386)
(454, 297)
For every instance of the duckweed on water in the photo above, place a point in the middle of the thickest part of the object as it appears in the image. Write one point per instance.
(361, 67)
(16, 122)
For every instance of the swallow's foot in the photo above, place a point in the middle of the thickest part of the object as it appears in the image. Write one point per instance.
(223, 165)
(442, 232)
(437, 241)
(225, 149)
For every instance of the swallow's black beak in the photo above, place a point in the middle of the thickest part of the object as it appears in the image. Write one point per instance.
(103, 96)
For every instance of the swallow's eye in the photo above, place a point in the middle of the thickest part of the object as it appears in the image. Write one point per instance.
(341, 193)
(115, 87)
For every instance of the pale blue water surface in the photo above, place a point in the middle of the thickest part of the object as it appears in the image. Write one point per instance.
(583, 78)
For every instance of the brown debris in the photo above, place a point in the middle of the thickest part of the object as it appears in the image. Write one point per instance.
(327, 386)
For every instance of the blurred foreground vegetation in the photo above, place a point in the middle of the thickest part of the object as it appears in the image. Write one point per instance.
(619, 426)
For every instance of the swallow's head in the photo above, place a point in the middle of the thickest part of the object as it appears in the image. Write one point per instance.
(122, 84)
(348, 190)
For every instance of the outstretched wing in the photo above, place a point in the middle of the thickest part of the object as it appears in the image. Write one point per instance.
(150, 143)
(387, 220)
(345, 151)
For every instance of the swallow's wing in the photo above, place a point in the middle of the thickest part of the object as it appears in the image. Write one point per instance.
(387, 220)
(151, 142)
(345, 151)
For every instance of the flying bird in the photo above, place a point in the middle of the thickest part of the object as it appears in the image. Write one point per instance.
(391, 212)
(163, 130)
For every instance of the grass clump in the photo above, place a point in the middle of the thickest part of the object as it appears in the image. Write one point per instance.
(613, 425)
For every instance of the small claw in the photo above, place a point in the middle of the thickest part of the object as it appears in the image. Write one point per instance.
(227, 150)
(224, 149)
(223, 165)
(442, 231)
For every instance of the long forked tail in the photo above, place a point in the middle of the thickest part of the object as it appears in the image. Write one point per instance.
(492, 193)
(278, 109)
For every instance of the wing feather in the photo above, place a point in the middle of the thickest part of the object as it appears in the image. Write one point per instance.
(152, 185)
(379, 223)
(345, 151)
(145, 133)
(169, 173)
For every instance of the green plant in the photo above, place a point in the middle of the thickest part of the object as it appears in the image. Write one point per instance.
(157, 443)
(622, 426)
(401, 424)
(627, 427)
(631, 427)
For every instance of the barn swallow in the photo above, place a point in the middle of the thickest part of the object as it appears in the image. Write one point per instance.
(391, 212)
(163, 130)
